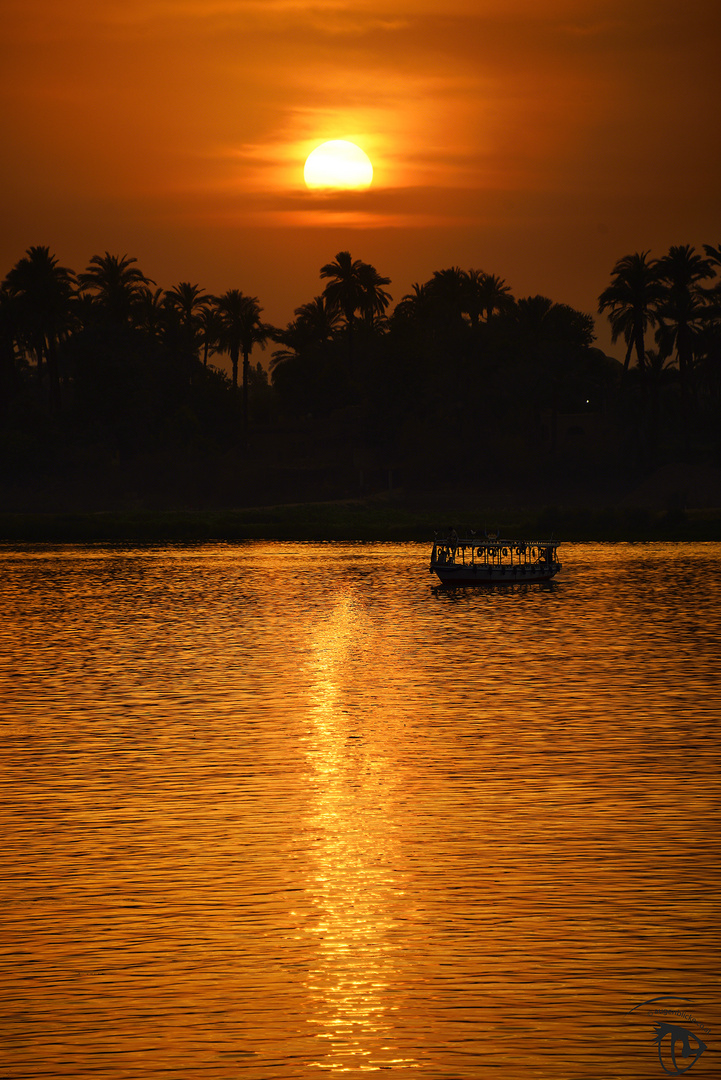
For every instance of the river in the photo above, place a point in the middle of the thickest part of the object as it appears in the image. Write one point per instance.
(290, 810)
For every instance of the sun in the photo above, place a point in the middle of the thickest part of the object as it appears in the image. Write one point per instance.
(338, 165)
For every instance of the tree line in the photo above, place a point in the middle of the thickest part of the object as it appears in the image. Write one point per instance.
(457, 378)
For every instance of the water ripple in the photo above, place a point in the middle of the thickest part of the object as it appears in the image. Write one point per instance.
(289, 809)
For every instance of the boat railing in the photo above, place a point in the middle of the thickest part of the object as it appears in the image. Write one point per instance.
(450, 548)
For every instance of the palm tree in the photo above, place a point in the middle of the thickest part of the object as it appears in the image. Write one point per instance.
(354, 286)
(317, 321)
(344, 291)
(414, 305)
(209, 329)
(183, 304)
(117, 285)
(240, 330)
(632, 300)
(375, 298)
(494, 294)
(684, 305)
(709, 355)
(149, 310)
(43, 293)
(448, 292)
(713, 254)
(188, 301)
(308, 334)
(472, 298)
(548, 330)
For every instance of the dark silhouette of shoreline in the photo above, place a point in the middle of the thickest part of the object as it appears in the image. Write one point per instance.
(110, 401)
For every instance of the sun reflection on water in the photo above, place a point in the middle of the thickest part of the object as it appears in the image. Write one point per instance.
(355, 888)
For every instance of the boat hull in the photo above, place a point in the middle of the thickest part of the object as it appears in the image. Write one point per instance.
(472, 574)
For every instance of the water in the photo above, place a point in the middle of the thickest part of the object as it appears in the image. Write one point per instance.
(288, 810)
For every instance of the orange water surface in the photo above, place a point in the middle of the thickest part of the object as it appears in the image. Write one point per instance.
(291, 810)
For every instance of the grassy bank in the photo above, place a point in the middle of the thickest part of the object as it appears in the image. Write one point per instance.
(373, 519)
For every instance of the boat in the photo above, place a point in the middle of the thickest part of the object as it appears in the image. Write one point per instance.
(490, 560)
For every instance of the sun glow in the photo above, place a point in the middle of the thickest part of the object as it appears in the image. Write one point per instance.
(338, 165)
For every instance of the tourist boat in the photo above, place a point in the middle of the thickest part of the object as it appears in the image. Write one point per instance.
(489, 560)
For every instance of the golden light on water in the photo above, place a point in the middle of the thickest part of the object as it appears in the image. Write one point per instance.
(340, 821)
(355, 886)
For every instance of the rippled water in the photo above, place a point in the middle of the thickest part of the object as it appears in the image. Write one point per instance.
(287, 810)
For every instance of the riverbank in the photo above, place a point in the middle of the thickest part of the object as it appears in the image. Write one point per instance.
(377, 518)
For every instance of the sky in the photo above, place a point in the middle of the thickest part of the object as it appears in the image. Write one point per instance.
(537, 141)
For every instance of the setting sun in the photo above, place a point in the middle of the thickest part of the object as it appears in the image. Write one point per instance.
(339, 165)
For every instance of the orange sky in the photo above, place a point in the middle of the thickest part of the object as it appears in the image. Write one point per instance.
(538, 141)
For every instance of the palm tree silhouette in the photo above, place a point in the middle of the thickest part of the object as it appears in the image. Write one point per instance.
(414, 306)
(117, 285)
(43, 295)
(240, 330)
(317, 320)
(311, 331)
(713, 253)
(473, 298)
(548, 325)
(344, 291)
(632, 300)
(494, 294)
(448, 291)
(684, 305)
(209, 328)
(188, 300)
(183, 303)
(149, 311)
(375, 298)
(354, 286)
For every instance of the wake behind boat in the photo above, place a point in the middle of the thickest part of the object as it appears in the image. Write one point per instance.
(484, 560)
